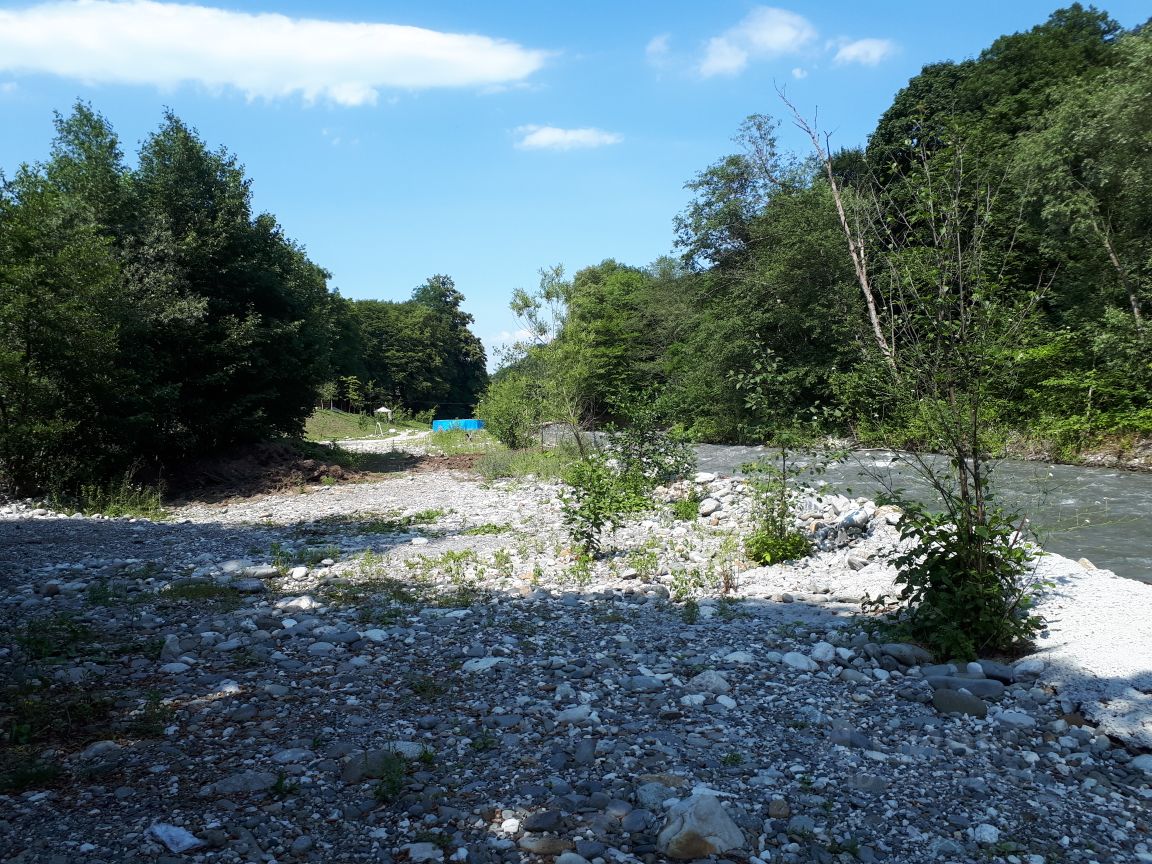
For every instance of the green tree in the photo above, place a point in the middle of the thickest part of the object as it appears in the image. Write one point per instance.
(1091, 169)
(57, 343)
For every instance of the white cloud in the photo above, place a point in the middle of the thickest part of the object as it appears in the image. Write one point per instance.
(263, 55)
(799, 73)
(553, 138)
(657, 49)
(508, 336)
(867, 52)
(765, 32)
(8, 87)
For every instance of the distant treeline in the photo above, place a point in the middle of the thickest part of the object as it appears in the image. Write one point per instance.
(1012, 187)
(147, 315)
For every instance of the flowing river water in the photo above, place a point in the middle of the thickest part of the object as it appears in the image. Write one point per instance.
(1101, 514)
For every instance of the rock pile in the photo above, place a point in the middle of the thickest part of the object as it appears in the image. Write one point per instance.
(417, 670)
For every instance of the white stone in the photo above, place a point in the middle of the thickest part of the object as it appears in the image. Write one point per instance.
(823, 652)
(796, 660)
(739, 657)
(1030, 667)
(1016, 720)
(698, 827)
(574, 715)
(709, 681)
(986, 834)
(177, 839)
(709, 506)
(1143, 763)
(481, 664)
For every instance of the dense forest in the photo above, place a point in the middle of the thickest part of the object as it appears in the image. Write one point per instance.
(996, 227)
(148, 315)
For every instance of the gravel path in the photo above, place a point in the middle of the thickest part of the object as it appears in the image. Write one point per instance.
(418, 670)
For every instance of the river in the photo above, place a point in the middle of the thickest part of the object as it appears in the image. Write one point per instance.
(1096, 513)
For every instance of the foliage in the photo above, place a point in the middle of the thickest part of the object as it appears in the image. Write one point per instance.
(645, 453)
(598, 499)
(967, 585)
(454, 442)
(148, 315)
(768, 547)
(686, 509)
(774, 486)
(512, 410)
(550, 464)
(123, 498)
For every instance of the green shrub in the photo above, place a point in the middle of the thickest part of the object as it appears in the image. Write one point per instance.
(767, 547)
(511, 410)
(598, 499)
(455, 442)
(118, 498)
(645, 451)
(967, 585)
(686, 509)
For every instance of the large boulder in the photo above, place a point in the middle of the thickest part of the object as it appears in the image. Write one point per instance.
(696, 828)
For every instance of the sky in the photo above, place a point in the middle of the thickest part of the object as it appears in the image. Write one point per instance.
(397, 140)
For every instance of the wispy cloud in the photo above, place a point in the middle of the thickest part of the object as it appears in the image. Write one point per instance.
(799, 73)
(867, 52)
(765, 32)
(553, 138)
(9, 86)
(262, 55)
(657, 50)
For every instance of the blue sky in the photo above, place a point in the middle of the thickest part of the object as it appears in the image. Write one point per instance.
(395, 140)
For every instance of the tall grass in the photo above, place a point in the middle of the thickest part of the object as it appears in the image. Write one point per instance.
(547, 464)
(114, 499)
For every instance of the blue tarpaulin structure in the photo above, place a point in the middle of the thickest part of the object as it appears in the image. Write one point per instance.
(445, 425)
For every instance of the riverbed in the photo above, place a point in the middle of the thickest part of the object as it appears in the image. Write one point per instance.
(1077, 512)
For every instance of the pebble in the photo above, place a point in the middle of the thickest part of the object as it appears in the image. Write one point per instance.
(487, 707)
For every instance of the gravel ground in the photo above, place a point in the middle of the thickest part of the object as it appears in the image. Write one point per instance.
(418, 670)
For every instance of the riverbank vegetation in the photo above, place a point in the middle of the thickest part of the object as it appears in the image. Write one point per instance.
(805, 280)
(148, 316)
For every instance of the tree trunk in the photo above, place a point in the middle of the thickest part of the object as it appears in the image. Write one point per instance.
(855, 242)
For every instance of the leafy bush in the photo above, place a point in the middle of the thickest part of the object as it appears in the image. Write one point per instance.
(644, 450)
(766, 547)
(551, 463)
(598, 499)
(968, 586)
(122, 498)
(686, 509)
(774, 483)
(510, 410)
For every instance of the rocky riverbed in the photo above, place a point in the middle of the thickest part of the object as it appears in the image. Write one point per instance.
(418, 669)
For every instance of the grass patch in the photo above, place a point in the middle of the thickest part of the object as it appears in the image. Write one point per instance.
(220, 597)
(24, 770)
(456, 442)
(372, 523)
(549, 464)
(114, 499)
(686, 510)
(350, 460)
(488, 528)
(329, 425)
(59, 713)
(57, 638)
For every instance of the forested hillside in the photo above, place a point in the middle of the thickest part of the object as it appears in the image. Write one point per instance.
(148, 315)
(997, 226)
